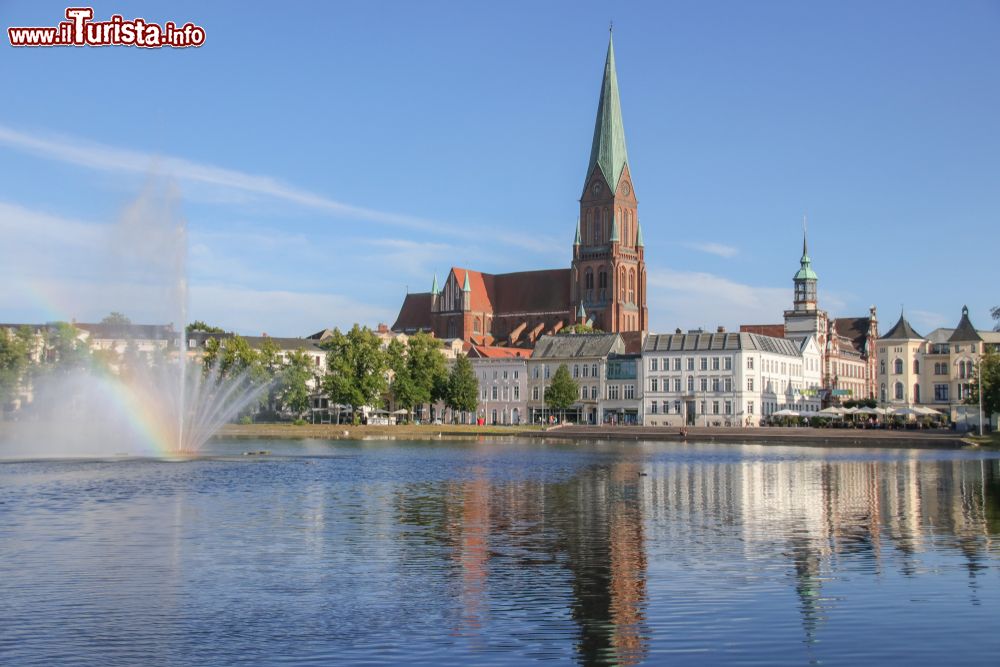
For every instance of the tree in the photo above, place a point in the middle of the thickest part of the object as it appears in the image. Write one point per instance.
(427, 367)
(117, 319)
(463, 388)
(402, 387)
(15, 356)
(563, 391)
(198, 325)
(292, 386)
(995, 312)
(356, 368)
(579, 329)
(64, 351)
(989, 367)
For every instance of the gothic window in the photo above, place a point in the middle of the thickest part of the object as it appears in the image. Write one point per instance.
(621, 283)
(476, 326)
(631, 286)
(883, 392)
(591, 229)
(882, 367)
(897, 367)
(899, 391)
(916, 366)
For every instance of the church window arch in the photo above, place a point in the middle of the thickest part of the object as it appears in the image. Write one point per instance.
(899, 391)
(631, 285)
(883, 392)
(897, 367)
(477, 326)
(591, 229)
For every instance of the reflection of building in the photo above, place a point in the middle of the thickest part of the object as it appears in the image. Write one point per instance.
(607, 277)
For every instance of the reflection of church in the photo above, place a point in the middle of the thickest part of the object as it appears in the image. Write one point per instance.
(605, 284)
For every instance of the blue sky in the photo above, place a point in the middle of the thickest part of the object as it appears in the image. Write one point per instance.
(329, 155)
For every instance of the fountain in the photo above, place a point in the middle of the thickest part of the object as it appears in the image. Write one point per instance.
(161, 403)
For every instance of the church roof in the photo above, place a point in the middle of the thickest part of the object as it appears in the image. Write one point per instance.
(545, 291)
(608, 149)
(965, 331)
(902, 331)
(415, 313)
(805, 271)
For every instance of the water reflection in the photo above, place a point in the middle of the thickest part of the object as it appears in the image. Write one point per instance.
(585, 542)
(500, 554)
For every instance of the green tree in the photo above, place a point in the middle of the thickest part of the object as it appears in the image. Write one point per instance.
(427, 367)
(995, 312)
(989, 367)
(463, 388)
(116, 318)
(402, 387)
(64, 350)
(15, 356)
(579, 329)
(292, 386)
(356, 368)
(198, 325)
(563, 391)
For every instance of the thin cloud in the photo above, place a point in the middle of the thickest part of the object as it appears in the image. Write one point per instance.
(711, 248)
(102, 157)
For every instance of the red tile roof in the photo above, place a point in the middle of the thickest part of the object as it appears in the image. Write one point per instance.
(493, 352)
(522, 292)
(772, 330)
(415, 313)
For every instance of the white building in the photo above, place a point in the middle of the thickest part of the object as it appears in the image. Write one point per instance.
(502, 373)
(727, 379)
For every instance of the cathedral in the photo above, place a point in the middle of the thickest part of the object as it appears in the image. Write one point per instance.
(604, 287)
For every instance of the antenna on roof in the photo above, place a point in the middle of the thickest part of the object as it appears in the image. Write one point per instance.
(611, 25)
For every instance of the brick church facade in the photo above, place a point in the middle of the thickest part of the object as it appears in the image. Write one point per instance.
(605, 285)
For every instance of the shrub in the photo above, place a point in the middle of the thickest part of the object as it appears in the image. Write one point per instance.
(246, 419)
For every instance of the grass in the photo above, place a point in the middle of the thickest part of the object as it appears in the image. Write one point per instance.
(991, 440)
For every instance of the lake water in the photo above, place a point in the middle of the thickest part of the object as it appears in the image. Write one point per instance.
(388, 552)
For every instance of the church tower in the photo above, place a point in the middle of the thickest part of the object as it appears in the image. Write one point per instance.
(805, 318)
(609, 269)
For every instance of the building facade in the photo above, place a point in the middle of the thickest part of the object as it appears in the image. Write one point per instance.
(502, 374)
(727, 379)
(606, 278)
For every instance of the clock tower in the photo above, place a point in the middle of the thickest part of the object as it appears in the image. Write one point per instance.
(609, 269)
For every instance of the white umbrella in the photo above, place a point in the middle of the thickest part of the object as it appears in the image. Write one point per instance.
(851, 411)
(786, 413)
(868, 411)
(928, 411)
(832, 411)
(401, 411)
(904, 412)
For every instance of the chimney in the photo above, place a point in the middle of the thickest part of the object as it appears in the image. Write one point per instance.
(720, 329)
(677, 330)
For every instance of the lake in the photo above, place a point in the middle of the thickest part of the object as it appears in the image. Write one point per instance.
(502, 552)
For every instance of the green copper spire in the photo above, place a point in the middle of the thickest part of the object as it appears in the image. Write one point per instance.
(434, 287)
(614, 228)
(608, 149)
(576, 241)
(805, 271)
(638, 234)
(466, 287)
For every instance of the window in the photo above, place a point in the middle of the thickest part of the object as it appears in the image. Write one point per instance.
(729, 384)
(728, 363)
(749, 407)
(652, 407)
(515, 375)
(749, 384)
(652, 364)
(546, 371)
(505, 375)
(704, 384)
(629, 391)
(704, 363)
(750, 363)
(916, 366)
(897, 367)
(677, 363)
(593, 370)
(882, 394)
(715, 363)
(537, 372)
(576, 370)
(729, 407)
(690, 363)
(494, 375)
(940, 392)
(494, 392)
(593, 393)
(899, 391)
(677, 407)
(677, 384)
(613, 392)
(586, 370)
(715, 407)
(690, 383)
(654, 384)
(715, 385)
(517, 392)
(534, 393)
(916, 393)
(583, 392)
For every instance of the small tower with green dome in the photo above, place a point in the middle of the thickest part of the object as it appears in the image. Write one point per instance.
(805, 280)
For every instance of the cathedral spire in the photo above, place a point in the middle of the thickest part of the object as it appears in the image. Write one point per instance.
(638, 234)
(466, 287)
(576, 241)
(434, 286)
(608, 150)
(805, 247)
